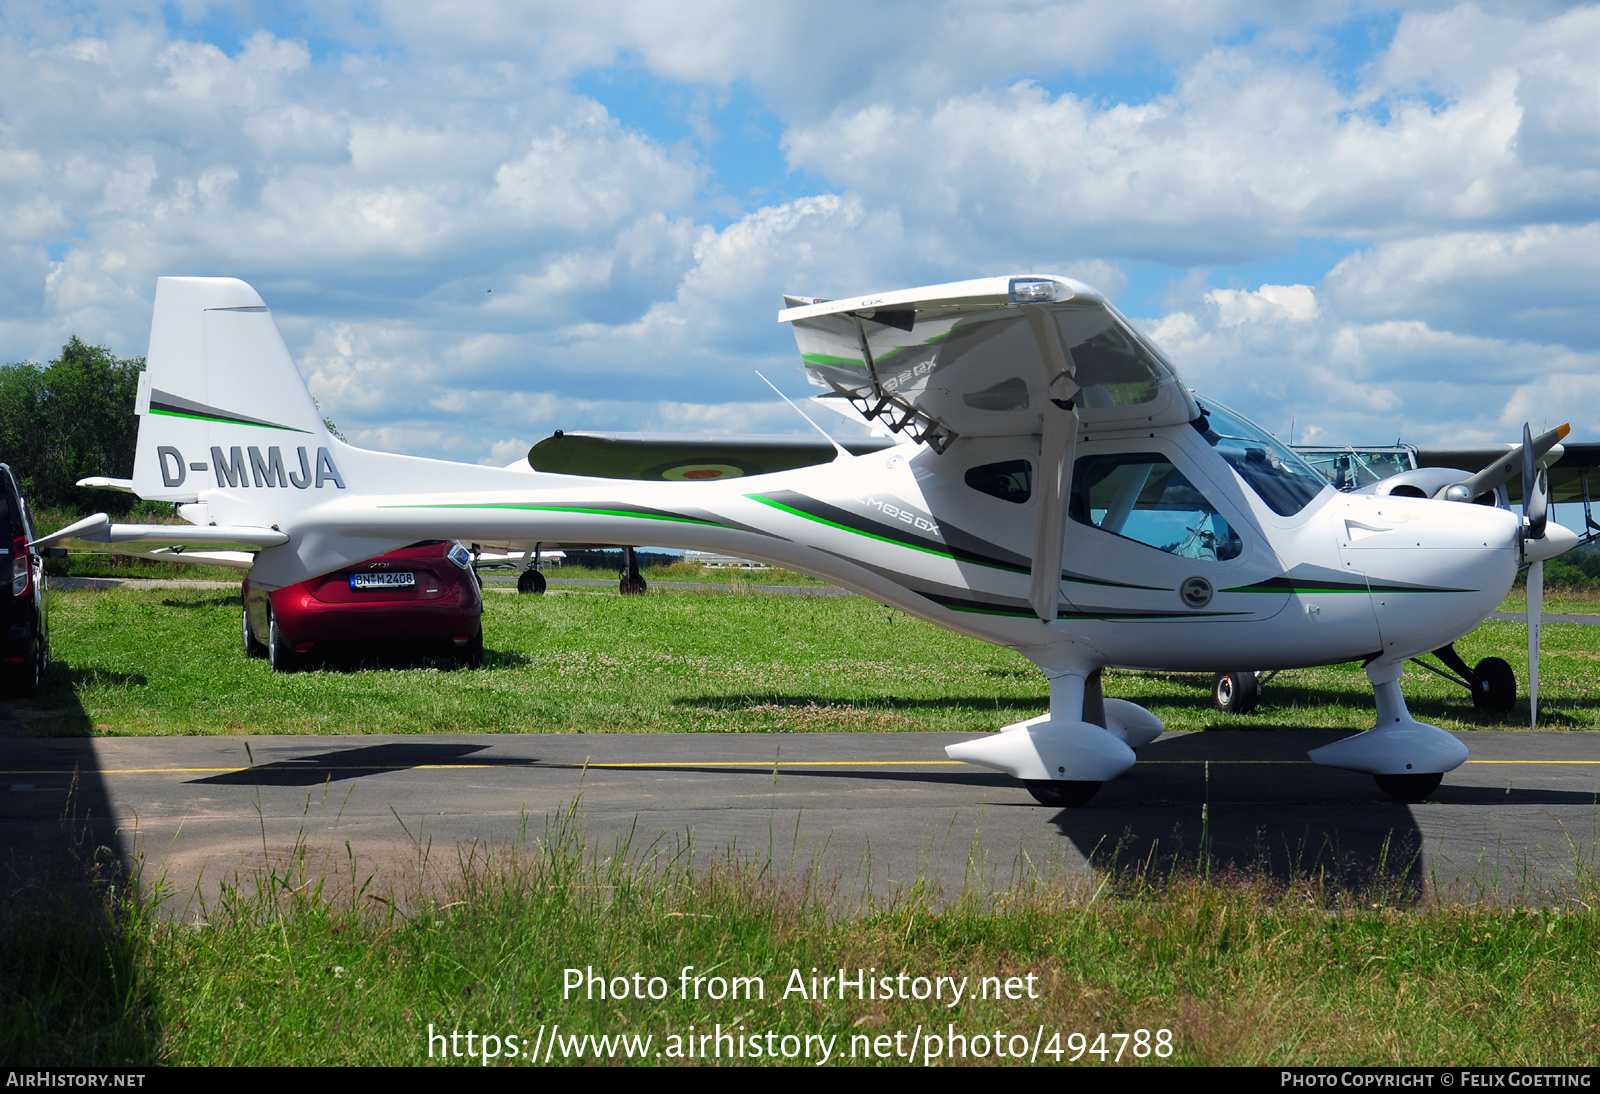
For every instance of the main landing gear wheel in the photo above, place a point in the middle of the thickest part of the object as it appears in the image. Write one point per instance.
(1496, 688)
(632, 586)
(1410, 788)
(1235, 692)
(530, 581)
(1066, 794)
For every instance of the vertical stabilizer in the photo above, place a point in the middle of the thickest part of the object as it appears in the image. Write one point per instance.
(222, 405)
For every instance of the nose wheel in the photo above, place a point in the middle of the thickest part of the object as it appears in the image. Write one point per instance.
(632, 583)
(1235, 692)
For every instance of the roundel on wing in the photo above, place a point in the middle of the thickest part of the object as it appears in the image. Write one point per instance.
(701, 472)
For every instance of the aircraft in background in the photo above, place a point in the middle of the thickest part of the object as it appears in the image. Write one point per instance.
(1064, 495)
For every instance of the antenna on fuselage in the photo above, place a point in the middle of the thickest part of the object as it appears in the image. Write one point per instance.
(844, 453)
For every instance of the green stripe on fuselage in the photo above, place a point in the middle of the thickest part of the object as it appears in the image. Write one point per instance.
(928, 548)
(588, 510)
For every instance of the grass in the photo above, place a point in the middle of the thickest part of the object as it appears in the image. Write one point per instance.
(294, 966)
(141, 661)
(1578, 601)
(87, 564)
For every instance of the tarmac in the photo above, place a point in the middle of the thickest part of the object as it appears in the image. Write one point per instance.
(868, 813)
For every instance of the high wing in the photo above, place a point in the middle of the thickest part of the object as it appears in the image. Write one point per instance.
(995, 357)
(963, 359)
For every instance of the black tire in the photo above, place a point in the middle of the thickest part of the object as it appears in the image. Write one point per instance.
(22, 681)
(1409, 788)
(1235, 692)
(280, 655)
(531, 581)
(252, 646)
(472, 656)
(1496, 686)
(1062, 794)
(632, 588)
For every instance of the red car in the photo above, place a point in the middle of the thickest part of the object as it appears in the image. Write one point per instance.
(422, 595)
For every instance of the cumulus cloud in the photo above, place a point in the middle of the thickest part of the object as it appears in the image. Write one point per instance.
(1540, 282)
(465, 252)
(1336, 380)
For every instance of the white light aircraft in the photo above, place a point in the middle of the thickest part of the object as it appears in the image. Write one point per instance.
(1065, 496)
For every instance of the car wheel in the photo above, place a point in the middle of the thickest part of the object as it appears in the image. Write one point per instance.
(1235, 692)
(22, 681)
(252, 646)
(280, 655)
(472, 656)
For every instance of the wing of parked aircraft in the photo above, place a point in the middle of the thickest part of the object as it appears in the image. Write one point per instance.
(1573, 477)
(685, 457)
(1572, 469)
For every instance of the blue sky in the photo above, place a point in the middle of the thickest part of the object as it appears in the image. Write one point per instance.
(479, 223)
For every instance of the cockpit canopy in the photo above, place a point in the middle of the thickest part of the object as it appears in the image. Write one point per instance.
(1276, 472)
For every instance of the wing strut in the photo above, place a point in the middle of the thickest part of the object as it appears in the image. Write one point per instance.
(1056, 447)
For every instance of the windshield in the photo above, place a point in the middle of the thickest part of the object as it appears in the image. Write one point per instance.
(1272, 469)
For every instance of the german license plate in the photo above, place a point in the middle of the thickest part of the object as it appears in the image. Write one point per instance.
(382, 581)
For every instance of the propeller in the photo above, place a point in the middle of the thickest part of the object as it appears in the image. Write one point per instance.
(1535, 505)
(1506, 467)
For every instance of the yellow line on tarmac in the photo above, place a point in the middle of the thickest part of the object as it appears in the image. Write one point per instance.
(280, 766)
(763, 765)
(1235, 763)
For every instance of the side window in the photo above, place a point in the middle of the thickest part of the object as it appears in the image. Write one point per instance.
(1142, 497)
(1008, 481)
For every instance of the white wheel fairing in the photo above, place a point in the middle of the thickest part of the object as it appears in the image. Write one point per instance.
(1052, 751)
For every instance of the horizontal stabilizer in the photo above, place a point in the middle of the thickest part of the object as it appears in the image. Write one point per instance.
(99, 529)
(103, 483)
(233, 560)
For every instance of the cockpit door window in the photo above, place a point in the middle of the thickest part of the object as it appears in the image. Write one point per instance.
(1141, 496)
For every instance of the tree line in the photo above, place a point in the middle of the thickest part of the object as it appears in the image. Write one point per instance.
(68, 419)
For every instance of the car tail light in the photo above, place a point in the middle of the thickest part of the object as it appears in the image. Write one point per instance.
(461, 556)
(21, 568)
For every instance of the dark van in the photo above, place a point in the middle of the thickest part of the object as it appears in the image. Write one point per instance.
(24, 626)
